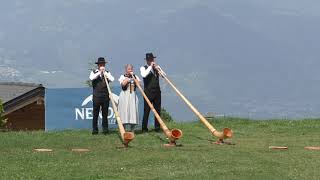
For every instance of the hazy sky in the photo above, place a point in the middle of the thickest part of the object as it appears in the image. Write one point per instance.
(255, 58)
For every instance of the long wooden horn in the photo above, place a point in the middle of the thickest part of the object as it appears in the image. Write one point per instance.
(227, 132)
(125, 136)
(172, 135)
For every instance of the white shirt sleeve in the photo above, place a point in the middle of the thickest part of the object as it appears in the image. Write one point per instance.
(109, 76)
(94, 75)
(121, 79)
(145, 72)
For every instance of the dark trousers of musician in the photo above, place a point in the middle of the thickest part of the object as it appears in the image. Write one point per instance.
(155, 98)
(103, 104)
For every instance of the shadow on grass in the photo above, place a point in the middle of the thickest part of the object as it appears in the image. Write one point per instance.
(203, 139)
(213, 141)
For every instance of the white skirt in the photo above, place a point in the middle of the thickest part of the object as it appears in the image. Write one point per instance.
(128, 107)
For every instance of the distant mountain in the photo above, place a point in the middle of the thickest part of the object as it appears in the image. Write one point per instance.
(246, 58)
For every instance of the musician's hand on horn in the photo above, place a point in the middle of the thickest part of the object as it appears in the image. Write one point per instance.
(125, 81)
(102, 70)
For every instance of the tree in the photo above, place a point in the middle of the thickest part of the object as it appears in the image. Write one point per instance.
(3, 121)
(166, 116)
(91, 67)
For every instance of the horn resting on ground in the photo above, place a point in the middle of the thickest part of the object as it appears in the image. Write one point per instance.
(226, 133)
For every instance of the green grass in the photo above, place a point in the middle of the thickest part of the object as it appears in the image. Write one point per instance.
(198, 158)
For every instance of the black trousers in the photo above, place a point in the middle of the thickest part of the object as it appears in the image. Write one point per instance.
(155, 98)
(103, 104)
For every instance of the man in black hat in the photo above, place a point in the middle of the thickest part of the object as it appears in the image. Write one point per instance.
(100, 95)
(152, 89)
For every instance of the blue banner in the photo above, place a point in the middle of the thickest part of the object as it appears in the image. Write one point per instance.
(71, 108)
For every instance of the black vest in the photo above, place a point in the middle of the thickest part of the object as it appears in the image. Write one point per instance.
(151, 82)
(100, 89)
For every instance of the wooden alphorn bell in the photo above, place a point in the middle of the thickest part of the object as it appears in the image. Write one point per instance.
(173, 134)
(126, 137)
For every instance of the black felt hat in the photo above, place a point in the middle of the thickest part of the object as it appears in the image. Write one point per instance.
(150, 56)
(101, 60)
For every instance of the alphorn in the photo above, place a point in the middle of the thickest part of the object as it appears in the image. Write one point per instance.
(227, 132)
(125, 136)
(172, 135)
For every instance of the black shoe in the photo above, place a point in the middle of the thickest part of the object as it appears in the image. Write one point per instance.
(95, 132)
(105, 132)
(145, 130)
(157, 130)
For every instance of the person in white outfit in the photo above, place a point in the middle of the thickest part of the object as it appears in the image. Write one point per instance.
(100, 95)
(128, 99)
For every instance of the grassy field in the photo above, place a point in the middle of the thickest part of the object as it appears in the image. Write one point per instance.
(197, 158)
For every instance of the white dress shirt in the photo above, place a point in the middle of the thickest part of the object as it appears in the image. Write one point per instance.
(145, 72)
(95, 74)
